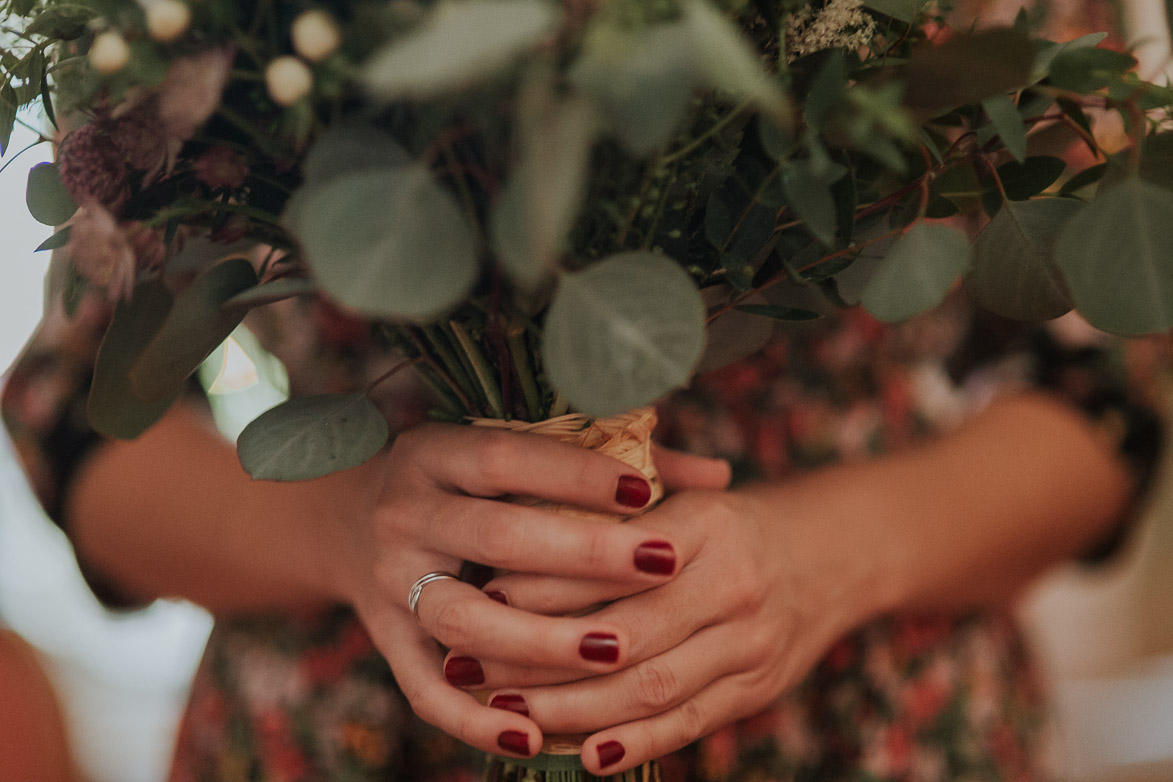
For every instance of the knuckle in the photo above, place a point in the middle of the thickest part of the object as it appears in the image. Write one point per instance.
(595, 549)
(746, 588)
(451, 621)
(497, 536)
(655, 686)
(691, 722)
(496, 455)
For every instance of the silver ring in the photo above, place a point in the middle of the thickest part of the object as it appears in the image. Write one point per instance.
(417, 589)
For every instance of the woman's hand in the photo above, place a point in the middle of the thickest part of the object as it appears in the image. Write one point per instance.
(750, 612)
(439, 507)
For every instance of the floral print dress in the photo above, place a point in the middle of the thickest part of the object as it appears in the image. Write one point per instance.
(307, 697)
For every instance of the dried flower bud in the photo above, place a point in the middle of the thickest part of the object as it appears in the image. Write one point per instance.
(221, 167)
(288, 79)
(139, 136)
(167, 20)
(101, 252)
(92, 167)
(316, 35)
(109, 52)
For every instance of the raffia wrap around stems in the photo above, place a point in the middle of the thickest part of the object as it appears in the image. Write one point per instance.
(628, 438)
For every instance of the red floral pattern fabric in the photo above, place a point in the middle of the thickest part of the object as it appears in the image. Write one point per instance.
(300, 698)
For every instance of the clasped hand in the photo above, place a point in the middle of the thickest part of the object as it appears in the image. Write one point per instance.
(709, 610)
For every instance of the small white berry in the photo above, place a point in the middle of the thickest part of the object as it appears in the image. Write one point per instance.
(167, 20)
(109, 52)
(288, 79)
(315, 35)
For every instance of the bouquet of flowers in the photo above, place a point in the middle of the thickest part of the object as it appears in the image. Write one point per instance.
(567, 207)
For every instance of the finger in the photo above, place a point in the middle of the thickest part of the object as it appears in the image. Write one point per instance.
(492, 463)
(478, 628)
(555, 595)
(625, 746)
(634, 693)
(520, 538)
(680, 470)
(415, 662)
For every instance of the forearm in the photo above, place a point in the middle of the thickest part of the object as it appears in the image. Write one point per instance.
(965, 520)
(172, 514)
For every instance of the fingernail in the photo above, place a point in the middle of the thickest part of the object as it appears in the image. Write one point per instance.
(656, 557)
(610, 753)
(464, 672)
(633, 491)
(498, 596)
(517, 742)
(510, 702)
(599, 647)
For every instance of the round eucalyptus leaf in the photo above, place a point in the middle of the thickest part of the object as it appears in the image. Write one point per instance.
(642, 82)
(195, 326)
(388, 243)
(312, 436)
(623, 332)
(113, 409)
(1115, 258)
(48, 202)
(461, 42)
(352, 146)
(1014, 274)
(917, 272)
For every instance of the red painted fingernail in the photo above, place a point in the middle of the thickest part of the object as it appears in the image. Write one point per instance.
(464, 672)
(599, 647)
(610, 753)
(510, 702)
(514, 741)
(656, 557)
(498, 596)
(633, 491)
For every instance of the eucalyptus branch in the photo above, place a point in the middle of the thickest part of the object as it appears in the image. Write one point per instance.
(480, 368)
(411, 362)
(445, 375)
(713, 130)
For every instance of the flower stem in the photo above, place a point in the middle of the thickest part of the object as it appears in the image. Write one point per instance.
(480, 368)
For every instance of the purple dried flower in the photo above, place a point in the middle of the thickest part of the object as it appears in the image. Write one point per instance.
(221, 167)
(92, 167)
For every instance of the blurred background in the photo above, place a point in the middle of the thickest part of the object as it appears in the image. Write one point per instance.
(1105, 635)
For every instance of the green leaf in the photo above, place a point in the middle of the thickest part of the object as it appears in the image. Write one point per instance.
(351, 147)
(113, 408)
(642, 82)
(1156, 160)
(62, 20)
(270, 292)
(56, 241)
(966, 69)
(725, 60)
(917, 272)
(460, 43)
(1115, 258)
(9, 104)
(1004, 117)
(1014, 273)
(389, 243)
(1032, 176)
(313, 436)
(778, 313)
(1086, 178)
(903, 10)
(537, 210)
(195, 326)
(1049, 50)
(74, 290)
(1086, 69)
(48, 202)
(808, 189)
(623, 332)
